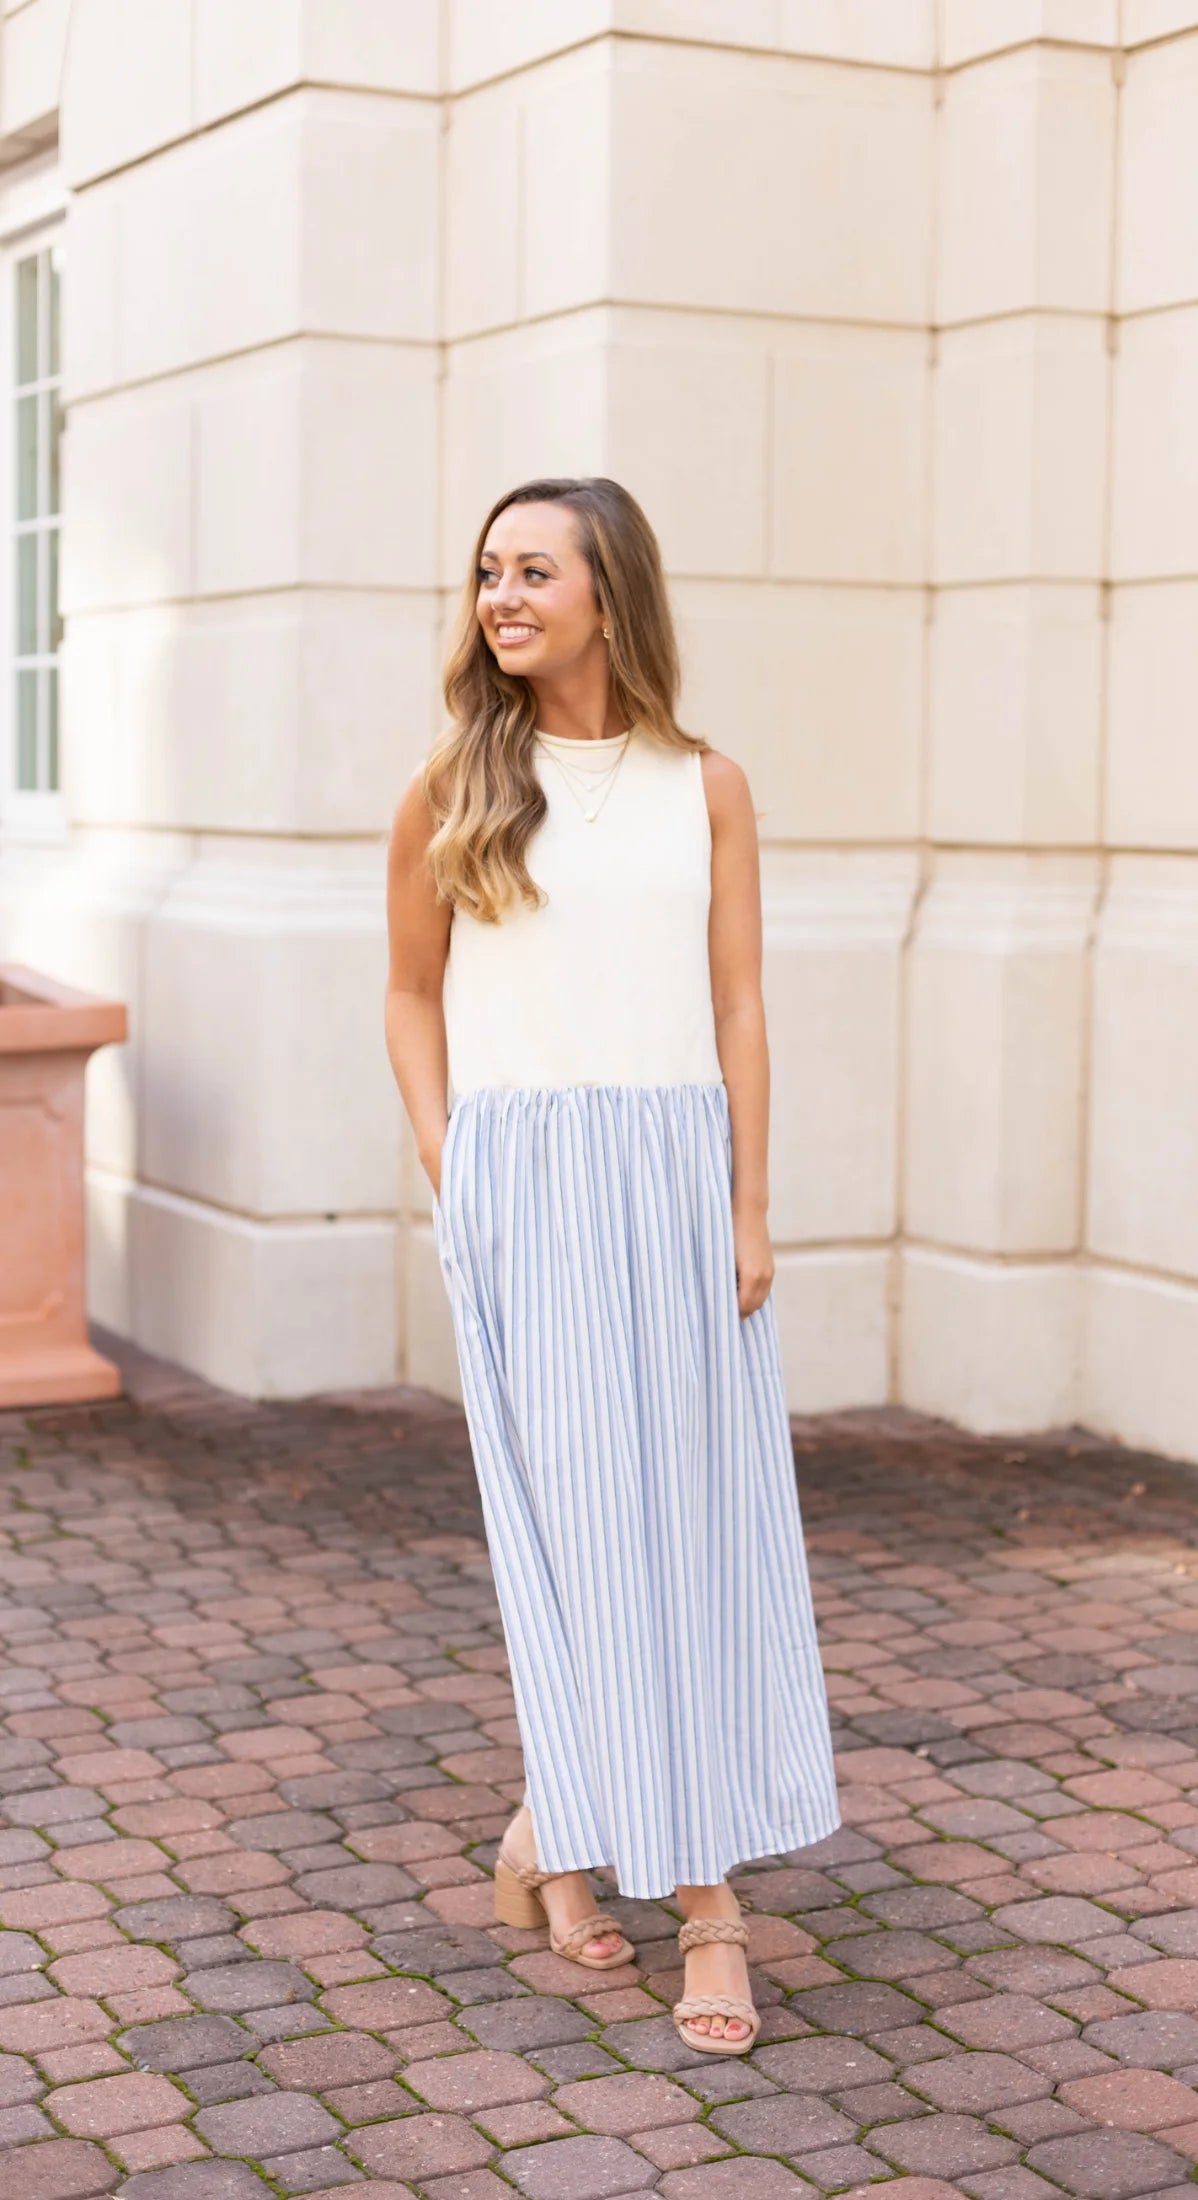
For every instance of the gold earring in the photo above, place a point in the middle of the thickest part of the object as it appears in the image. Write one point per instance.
(607, 633)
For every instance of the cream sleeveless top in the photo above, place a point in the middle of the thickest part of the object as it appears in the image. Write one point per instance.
(608, 982)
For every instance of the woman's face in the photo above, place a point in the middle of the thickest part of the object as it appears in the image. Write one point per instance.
(536, 599)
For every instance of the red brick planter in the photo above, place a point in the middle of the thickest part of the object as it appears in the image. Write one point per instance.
(47, 1032)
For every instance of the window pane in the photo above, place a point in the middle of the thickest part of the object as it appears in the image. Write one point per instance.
(55, 615)
(27, 623)
(34, 535)
(54, 271)
(27, 319)
(51, 679)
(27, 408)
(52, 429)
(26, 731)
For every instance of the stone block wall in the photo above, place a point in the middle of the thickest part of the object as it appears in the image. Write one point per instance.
(889, 315)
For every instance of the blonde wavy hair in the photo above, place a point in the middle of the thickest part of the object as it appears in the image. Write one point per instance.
(479, 779)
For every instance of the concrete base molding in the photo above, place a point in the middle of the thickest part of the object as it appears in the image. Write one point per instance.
(1141, 1347)
(992, 1345)
(833, 1321)
(266, 1309)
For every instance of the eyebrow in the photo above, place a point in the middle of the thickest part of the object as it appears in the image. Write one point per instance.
(523, 554)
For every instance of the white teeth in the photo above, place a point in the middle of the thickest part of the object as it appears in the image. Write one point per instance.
(515, 633)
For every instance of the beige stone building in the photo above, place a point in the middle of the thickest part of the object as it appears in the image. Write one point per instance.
(888, 312)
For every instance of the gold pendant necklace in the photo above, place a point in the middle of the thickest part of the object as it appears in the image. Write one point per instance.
(606, 779)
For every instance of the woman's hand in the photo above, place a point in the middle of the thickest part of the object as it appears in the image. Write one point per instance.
(754, 1258)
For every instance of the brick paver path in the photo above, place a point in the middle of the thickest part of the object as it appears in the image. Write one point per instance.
(260, 1747)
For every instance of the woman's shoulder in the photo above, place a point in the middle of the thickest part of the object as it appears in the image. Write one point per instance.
(726, 785)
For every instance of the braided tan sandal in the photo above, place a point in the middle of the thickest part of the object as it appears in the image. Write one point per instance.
(695, 1932)
(518, 1903)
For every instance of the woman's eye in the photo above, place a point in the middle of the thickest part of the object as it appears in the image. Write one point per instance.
(533, 572)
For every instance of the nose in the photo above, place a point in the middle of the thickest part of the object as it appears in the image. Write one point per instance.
(508, 595)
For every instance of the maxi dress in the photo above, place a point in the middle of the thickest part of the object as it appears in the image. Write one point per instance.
(629, 1427)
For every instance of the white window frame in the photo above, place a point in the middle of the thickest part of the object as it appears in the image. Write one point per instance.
(32, 208)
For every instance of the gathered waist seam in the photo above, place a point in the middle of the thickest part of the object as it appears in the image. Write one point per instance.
(601, 1084)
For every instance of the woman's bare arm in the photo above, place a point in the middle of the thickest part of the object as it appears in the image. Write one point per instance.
(734, 946)
(418, 933)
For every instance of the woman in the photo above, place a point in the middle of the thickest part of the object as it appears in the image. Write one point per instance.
(575, 924)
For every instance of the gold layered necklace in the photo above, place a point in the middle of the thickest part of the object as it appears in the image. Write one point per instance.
(598, 784)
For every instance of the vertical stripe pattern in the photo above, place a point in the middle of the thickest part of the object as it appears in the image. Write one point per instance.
(632, 1443)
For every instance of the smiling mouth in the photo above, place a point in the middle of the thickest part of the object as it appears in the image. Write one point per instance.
(511, 636)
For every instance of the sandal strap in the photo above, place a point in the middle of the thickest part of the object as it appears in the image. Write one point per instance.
(698, 1930)
(714, 2005)
(528, 1875)
(594, 1927)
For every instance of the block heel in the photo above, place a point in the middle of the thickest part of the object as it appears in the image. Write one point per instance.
(516, 1904)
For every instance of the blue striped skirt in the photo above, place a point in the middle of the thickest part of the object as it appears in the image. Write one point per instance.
(632, 1444)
